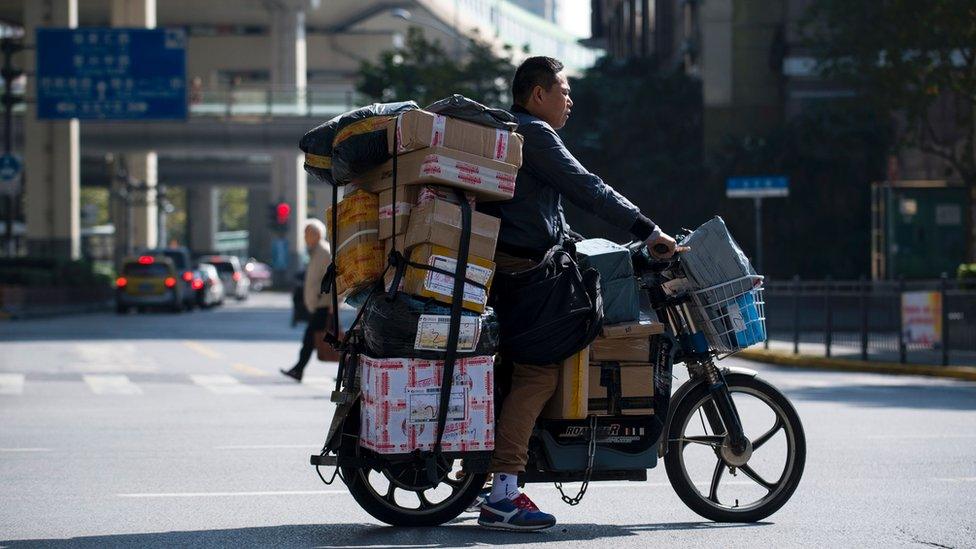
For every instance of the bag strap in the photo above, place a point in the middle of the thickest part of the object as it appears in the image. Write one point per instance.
(454, 328)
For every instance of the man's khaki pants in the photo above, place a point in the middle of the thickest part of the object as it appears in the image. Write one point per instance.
(532, 386)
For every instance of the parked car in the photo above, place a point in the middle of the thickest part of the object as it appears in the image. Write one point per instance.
(209, 289)
(148, 281)
(258, 273)
(180, 256)
(236, 282)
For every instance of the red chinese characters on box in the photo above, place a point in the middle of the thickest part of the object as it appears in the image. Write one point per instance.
(401, 397)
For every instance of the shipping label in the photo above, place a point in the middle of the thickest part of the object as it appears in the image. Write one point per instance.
(423, 403)
(432, 333)
(438, 130)
(444, 284)
(501, 144)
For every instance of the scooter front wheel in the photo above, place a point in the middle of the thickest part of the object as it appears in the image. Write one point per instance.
(400, 494)
(716, 482)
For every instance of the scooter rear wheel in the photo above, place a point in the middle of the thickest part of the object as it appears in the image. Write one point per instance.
(402, 495)
(699, 456)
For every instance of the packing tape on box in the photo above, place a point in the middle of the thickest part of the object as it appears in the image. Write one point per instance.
(462, 172)
(402, 208)
(353, 237)
(501, 144)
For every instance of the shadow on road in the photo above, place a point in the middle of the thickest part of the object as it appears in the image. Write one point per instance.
(462, 533)
(923, 397)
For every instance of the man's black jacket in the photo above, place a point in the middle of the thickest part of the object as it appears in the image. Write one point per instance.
(533, 221)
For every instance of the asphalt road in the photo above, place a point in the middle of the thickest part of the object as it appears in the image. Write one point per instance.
(165, 430)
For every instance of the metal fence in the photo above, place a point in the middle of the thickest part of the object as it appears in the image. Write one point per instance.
(863, 319)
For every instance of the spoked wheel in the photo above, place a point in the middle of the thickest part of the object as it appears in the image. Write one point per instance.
(719, 484)
(402, 495)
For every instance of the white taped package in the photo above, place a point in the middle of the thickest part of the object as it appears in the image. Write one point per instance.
(714, 257)
(401, 398)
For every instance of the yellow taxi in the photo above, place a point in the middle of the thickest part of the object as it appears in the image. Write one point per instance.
(148, 281)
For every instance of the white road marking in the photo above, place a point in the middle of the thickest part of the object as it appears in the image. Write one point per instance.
(111, 385)
(113, 357)
(266, 446)
(11, 384)
(221, 384)
(25, 450)
(234, 494)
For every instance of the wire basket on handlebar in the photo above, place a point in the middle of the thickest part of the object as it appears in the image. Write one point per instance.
(731, 314)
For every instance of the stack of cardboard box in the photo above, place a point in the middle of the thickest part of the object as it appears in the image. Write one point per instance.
(434, 155)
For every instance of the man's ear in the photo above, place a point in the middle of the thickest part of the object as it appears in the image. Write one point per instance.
(537, 93)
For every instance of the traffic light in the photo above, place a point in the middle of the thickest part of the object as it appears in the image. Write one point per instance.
(280, 215)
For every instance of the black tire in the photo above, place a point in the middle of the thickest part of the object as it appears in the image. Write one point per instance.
(373, 503)
(793, 468)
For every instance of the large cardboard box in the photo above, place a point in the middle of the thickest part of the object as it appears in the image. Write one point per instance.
(621, 349)
(421, 129)
(636, 382)
(409, 196)
(359, 261)
(570, 399)
(439, 222)
(632, 329)
(401, 398)
(439, 286)
(487, 179)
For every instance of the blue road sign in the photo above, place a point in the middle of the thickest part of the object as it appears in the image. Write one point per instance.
(11, 167)
(111, 74)
(757, 187)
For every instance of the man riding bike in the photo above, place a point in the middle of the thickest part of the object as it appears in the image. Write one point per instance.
(531, 223)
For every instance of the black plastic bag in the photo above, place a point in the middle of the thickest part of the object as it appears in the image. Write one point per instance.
(360, 141)
(390, 327)
(549, 312)
(317, 146)
(459, 106)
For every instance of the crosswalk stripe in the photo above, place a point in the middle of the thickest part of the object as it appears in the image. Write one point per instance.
(11, 384)
(112, 385)
(223, 384)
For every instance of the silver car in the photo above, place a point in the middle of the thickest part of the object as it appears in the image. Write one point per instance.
(236, 282)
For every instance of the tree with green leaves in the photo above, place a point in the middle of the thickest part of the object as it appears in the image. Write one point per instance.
(915, 60)
(423, 71)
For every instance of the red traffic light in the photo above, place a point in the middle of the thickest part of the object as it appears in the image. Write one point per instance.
(282, 211)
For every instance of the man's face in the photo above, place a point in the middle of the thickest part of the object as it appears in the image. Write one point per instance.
(312, 237)
(552, 105)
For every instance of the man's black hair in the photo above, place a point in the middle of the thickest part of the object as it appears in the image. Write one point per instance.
(534, 71)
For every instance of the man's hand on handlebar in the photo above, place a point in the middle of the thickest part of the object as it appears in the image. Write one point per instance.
(663, 246)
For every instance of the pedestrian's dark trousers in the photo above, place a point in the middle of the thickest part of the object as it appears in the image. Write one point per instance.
(319, 321)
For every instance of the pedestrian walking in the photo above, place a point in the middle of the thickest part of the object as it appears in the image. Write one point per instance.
(319, 305)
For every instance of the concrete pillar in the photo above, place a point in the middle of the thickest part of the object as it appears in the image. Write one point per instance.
(201, 218)
(319, 199)
(288, 184)
(288, 72)
(259, 223)
(52, 174)
(143, 206)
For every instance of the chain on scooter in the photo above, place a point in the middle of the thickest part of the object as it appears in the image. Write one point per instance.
(591, 454)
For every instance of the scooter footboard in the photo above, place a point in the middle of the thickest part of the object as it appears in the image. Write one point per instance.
(623, 443)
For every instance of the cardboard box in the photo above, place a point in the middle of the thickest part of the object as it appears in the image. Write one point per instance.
(424, 283)
(420, 129)
(359, 262)
(409, 196)
(636, 381)
(570, 399)
(487, 179)
(633, 329)
(401, 397)
(439, 222)
(621, 349)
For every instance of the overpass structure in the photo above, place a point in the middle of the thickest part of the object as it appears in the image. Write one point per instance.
(261, 73)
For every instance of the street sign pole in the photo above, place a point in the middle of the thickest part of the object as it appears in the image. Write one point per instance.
(757, 188)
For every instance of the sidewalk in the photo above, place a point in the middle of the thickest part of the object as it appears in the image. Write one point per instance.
(848, 358)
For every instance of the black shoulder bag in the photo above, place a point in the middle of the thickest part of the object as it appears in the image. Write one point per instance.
(549, 312)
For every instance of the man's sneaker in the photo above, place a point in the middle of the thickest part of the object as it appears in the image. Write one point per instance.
(505, 514)
(479, 500)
